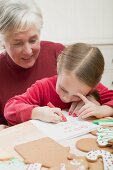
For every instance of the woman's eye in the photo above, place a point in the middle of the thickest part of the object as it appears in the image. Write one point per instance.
(18, 44)
(33, 41)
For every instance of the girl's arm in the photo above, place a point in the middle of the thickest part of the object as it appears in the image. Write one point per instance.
(24, 107)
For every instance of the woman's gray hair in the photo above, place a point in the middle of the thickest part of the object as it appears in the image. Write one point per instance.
(19, 15)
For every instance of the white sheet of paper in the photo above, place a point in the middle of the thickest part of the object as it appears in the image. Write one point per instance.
(65, 130)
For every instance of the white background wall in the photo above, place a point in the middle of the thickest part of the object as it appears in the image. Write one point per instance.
(70, 21)
(90, 21)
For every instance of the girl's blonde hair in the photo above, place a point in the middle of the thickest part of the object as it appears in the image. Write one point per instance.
(85, 61)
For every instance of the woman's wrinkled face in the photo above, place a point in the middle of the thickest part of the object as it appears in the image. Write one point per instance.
(23, 47)
(68, 85)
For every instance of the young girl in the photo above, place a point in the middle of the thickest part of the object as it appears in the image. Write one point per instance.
(80, 67)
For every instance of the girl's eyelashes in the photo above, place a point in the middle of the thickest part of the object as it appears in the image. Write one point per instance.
(63, 90)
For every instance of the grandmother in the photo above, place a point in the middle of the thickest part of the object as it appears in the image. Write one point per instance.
(25, 58)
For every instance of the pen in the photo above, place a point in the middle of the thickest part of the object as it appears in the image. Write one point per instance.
(62, 116)
(104, 122)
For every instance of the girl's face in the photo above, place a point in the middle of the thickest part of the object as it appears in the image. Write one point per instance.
(68, 85)
(23, 47)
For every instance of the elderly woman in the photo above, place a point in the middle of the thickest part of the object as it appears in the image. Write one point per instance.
(25, 58)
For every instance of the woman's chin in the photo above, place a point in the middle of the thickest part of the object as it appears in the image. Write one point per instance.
(27, 64)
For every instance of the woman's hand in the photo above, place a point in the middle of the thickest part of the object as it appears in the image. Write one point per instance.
(47, 114)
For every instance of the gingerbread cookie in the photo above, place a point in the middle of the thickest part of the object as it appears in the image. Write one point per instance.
(80, 159)
(88, 144)
(80, 163)
(103, 136)
(106, 126)
(68, 166)
(110, 142)
(45, 151)
(107, 158)
(96, 165)
(94, 132)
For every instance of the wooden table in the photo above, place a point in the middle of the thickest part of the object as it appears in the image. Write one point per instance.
(26, 132)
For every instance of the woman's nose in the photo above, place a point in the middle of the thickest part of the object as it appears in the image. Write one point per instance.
(27, 48)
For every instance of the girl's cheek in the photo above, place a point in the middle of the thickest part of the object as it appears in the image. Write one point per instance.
(59, 91)
(76, 99)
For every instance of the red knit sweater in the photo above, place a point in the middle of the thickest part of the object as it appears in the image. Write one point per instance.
(19, 108)
(15, 80)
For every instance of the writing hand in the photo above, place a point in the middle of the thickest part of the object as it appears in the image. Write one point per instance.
(47, 114)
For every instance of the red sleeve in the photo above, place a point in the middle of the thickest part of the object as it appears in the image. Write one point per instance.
(106, 95)
(18, 109)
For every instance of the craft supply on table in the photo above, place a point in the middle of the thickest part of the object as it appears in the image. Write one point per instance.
(72, 128)
(108, 122)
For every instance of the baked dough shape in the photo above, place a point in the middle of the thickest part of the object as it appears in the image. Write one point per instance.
(103, 136)
(106, 156)
(79, 166)
(68, 166)
(111, 142)
(88, 144)
(45, 151)
(94, 132)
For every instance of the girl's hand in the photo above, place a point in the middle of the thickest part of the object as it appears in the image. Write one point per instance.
(47, 114)
(76, 106)
(91, 108)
